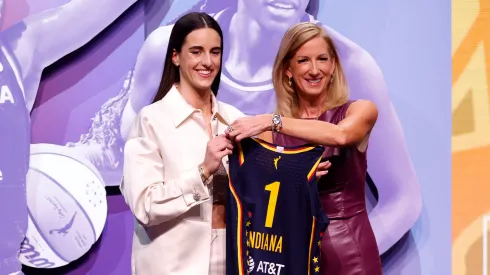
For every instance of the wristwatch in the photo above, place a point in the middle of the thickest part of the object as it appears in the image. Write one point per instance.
(276, 122)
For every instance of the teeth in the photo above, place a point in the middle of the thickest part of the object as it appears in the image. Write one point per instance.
(314, 80)
(282, 6)
(204, 72)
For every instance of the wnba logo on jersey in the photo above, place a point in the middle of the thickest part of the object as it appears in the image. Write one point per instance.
(276, 160)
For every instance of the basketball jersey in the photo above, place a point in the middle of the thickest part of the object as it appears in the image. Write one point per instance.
(274, 218)
(14, 122)
(14, 157)
(250, 98)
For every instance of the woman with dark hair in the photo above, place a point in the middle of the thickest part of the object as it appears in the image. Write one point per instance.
(175, 159)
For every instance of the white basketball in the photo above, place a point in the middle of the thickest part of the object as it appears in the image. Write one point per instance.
(67, 206)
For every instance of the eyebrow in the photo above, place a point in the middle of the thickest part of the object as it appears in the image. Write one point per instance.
(322, 54)
(201, 48)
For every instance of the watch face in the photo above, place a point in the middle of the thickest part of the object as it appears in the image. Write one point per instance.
(275, 120)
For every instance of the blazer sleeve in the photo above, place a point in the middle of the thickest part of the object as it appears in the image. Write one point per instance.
(152, 199)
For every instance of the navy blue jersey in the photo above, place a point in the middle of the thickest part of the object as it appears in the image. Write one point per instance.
(274, 218)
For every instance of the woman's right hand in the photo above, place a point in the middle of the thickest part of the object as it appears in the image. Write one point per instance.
(217, 148)
(322, 169)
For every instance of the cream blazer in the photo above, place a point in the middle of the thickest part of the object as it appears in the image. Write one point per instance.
(163, 188)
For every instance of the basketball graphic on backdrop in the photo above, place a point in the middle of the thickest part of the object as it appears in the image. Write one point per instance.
(67, 206)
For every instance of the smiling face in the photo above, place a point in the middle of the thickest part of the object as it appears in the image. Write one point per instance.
(307, 70)
(199, 59)
(311, 68)
(276, 14)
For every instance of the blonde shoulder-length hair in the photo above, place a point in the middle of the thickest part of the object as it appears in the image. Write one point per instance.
(287, 97)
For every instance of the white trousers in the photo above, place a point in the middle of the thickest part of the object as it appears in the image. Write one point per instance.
(217, 263)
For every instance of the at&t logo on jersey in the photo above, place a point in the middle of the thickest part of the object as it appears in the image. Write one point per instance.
(251, 264)
(263, 267)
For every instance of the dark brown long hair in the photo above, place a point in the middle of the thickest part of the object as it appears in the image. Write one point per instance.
(185, 25)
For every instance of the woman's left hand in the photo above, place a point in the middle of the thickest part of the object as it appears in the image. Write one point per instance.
(249, 126)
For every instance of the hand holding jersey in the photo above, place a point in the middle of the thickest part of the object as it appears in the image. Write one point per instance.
(216, 149)
(251, 126)
(322, 169)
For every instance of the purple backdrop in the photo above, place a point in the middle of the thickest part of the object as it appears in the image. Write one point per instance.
(84, 87)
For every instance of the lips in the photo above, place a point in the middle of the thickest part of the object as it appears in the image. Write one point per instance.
(204, 73)
(314, 82)
(285, 5)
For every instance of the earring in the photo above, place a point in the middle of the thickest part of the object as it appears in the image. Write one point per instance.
(331, 79)
(290, 81)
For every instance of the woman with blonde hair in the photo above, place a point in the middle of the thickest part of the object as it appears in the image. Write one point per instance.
(313, 107)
